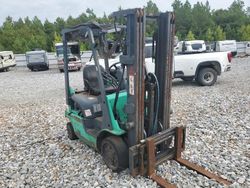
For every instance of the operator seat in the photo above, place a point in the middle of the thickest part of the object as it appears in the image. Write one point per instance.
(87, 104)
(90, 78)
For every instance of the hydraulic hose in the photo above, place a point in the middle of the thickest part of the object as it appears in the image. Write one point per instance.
(118, 91)
(157, 102)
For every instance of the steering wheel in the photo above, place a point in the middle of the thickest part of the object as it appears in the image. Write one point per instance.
(114, 66)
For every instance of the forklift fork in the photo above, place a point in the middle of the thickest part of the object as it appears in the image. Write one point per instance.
(146, 166)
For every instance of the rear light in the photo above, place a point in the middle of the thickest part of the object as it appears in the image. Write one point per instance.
(229, 56)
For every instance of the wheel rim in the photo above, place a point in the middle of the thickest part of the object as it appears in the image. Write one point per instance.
(110, 156)
(208, 77)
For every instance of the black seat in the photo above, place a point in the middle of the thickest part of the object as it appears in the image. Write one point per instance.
(88, 104)
(90, 78)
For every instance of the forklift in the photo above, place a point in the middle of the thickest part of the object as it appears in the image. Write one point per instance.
(123, 111)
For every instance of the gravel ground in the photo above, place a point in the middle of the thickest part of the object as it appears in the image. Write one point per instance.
(35, 150)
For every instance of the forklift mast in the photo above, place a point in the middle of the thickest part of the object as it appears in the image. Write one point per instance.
(151, 139)
(133, 59)
(139, 95)
(146, 91)
(164, 38)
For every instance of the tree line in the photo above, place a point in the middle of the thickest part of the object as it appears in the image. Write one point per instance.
(192, 22)
(200, 22)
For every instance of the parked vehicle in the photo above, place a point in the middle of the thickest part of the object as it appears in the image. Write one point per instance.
(37, 60)
(192, 46)
(7, 60)
(248, 48)
(226, 45)
(73, 54)
(203, 67)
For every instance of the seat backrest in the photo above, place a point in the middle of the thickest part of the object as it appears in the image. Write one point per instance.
(91, 84)
(90, 79)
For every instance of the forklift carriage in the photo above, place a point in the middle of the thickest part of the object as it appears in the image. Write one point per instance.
(124, 111)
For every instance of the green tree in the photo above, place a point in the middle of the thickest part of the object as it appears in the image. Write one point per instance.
(82, 18)
(231, 19)
(38, 36)
(244, 32)
(8, 34)
(151, 9)
(59, 24)
(22, 38)
(49, 30)
(219, 34)
(57, 39)
(209, 35)
(202, 19)
(183, 17)
(71, 22)
(190, 36)
(197, 21)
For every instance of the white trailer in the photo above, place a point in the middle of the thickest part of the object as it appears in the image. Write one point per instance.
(7, 60)
(225, 46)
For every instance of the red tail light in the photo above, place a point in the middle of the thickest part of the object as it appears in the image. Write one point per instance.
(229, 56)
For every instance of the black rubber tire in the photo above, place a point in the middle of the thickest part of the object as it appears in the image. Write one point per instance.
(207, 77)
(61, 70)
(115, 153)
(188, 79)
(79, 69)
(71, 132)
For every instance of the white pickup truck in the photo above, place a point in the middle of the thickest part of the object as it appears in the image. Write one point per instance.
(203, 67)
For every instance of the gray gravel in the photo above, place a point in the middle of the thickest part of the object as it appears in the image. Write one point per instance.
(35, 150)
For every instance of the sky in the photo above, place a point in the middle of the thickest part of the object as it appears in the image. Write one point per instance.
(51, 9)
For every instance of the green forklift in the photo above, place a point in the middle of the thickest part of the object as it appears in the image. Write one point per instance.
(123, 111)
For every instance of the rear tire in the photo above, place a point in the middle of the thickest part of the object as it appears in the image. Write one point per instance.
(115, 153)
(71, 132)
(207, 77)
(61, 70)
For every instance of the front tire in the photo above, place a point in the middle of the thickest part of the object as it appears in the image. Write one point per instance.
(71, 132)
(207, 77)
(115, 153)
